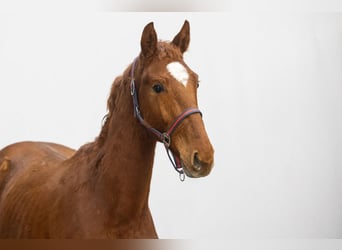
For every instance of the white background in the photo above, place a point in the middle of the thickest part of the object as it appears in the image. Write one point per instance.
(271, 95)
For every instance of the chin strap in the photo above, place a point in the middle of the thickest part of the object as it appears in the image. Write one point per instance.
(164, 137)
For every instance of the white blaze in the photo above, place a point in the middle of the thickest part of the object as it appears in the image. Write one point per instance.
(179, 72)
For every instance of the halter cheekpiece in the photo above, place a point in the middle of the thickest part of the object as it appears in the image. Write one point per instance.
(164, 137)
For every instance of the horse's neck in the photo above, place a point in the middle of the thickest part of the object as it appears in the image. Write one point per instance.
(123, 168)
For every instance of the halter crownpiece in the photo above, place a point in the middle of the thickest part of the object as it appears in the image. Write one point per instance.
(164, 137)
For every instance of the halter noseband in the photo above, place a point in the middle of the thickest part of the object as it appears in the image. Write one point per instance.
(165, 137)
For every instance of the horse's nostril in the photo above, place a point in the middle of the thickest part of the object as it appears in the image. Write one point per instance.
(197, 162)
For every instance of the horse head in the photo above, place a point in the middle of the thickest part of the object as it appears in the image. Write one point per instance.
(167, 87)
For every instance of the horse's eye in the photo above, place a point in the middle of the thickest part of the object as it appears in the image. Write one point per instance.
(158, 88)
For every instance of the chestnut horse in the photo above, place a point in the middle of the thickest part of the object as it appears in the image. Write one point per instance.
(101, 190)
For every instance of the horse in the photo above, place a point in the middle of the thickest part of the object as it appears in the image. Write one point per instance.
(101, 191)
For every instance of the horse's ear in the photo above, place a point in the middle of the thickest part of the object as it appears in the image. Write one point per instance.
(148, 41)
(182, 39)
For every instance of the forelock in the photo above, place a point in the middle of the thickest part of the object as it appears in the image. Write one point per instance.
(168, 50)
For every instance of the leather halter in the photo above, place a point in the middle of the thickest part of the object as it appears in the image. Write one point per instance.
(164, 137)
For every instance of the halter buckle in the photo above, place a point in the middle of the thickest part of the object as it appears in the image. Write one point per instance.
(137, 111)
(132, 87)
(166, 139)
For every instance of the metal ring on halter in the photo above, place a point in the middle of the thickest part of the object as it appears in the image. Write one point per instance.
(104, 119)
(182, 176)
(166, 140)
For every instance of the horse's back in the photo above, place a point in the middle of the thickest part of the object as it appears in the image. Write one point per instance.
(24, 158)
(23, 154)
(26, 168)
(27, 148)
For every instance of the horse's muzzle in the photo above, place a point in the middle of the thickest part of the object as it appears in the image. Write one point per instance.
(200, 166)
